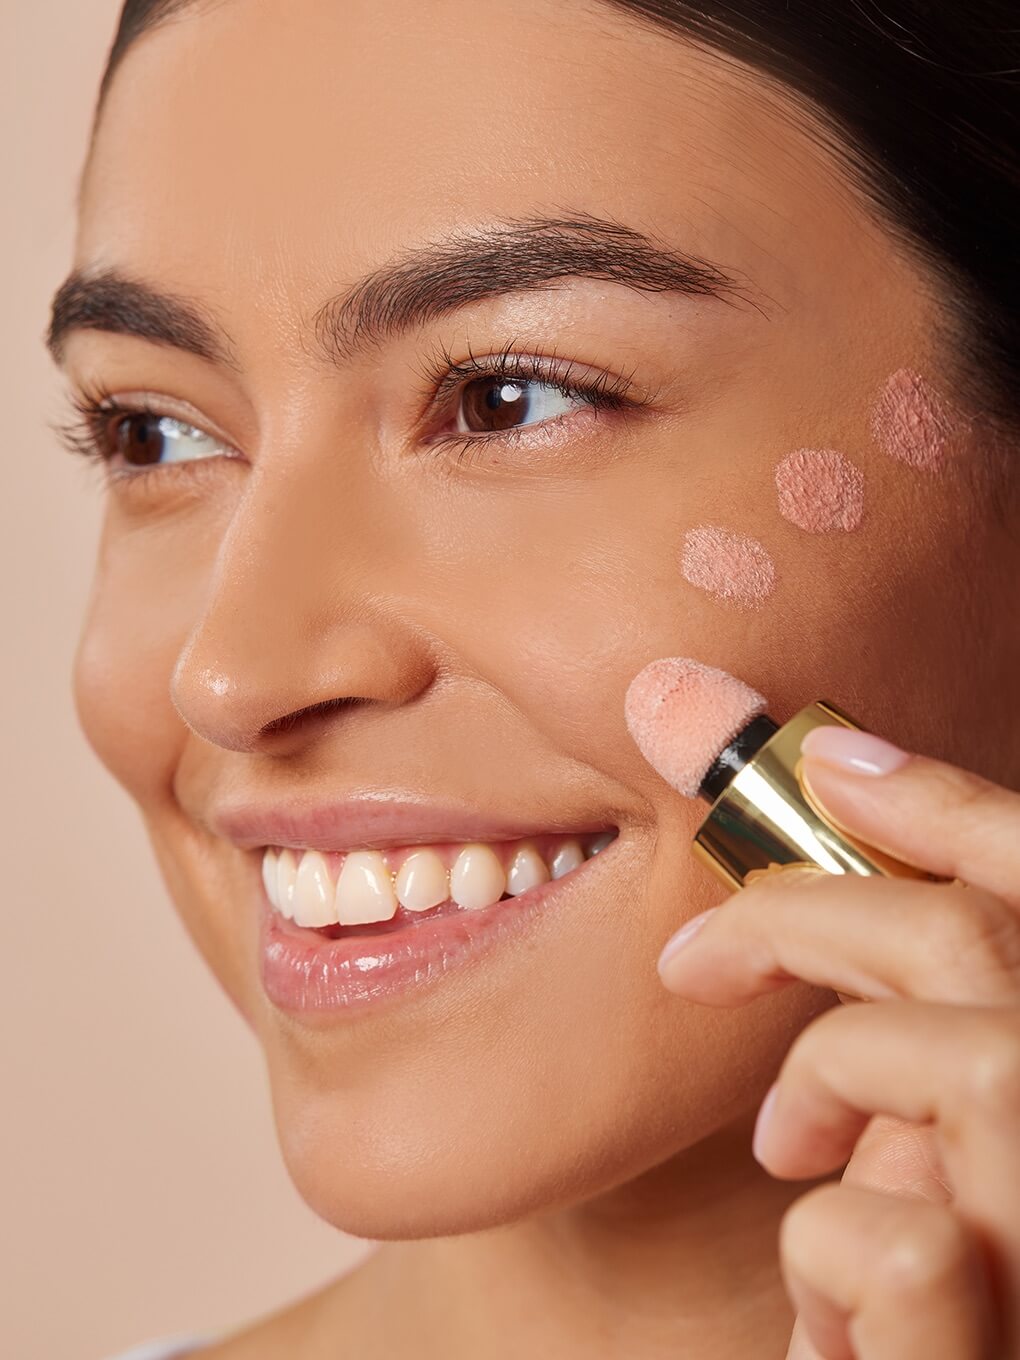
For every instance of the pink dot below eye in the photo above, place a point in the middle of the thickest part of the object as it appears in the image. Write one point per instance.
(729, 565)
(820, 490)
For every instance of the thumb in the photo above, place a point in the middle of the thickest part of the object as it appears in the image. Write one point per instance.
(932, 815)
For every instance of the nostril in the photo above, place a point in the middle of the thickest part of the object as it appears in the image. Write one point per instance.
(291, 720)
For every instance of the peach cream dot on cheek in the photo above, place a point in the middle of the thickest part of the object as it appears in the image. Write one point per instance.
(731, 566)
(911, 422)
(820, 490)
(682, 713)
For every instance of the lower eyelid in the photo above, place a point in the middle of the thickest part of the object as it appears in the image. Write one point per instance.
(158, 482)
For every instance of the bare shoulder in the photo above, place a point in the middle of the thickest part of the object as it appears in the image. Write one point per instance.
(309, 1327)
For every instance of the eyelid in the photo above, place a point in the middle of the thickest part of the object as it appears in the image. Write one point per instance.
(446, 374)
(140, 401)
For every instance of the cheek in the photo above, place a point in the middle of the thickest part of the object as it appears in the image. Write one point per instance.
(136, 623)
(130, 642)
(570, 622)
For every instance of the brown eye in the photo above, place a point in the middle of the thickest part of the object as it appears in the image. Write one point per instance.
(138, 439)
(490, 404)
(142, 439)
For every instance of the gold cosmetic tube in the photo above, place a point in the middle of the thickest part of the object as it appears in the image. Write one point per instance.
(764, 819)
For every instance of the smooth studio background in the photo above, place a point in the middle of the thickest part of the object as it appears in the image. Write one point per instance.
(143, 1193)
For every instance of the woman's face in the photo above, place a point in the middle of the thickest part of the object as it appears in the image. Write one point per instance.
(480, 582)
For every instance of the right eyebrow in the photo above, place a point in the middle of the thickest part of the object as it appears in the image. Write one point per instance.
(428, 282)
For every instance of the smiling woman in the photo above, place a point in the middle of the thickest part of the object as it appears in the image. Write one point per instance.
(445, 366)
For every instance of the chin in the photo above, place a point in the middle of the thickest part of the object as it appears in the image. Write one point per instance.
(448, 1172)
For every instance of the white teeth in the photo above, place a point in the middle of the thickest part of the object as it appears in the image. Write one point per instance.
(364, 892)
(286, 879)
(600, 842)
(270, 877)
(477, 879)
(528, 870)
(298, 884)
(313, 893)
(422, 882)
(569, 856)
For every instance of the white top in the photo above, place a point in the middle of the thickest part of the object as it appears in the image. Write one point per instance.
(166, 1348)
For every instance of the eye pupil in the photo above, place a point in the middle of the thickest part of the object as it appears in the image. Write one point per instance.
(494, 404)
(507, 393)
(139, 439)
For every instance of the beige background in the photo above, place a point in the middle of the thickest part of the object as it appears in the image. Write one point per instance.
(143, 1193)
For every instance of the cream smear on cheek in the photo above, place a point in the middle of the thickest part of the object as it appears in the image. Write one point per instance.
(731, 566)
(820, 491)
(911, 422)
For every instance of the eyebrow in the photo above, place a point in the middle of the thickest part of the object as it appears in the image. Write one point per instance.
(430, 281)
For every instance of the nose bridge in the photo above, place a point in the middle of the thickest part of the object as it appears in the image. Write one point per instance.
(293, 616)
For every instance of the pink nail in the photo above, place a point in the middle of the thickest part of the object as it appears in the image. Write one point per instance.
(676, 942)
(761, 1124)
(859, 752)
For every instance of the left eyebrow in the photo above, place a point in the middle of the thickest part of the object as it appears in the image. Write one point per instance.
(428, 282)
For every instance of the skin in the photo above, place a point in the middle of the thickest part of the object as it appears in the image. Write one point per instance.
(599, 1125)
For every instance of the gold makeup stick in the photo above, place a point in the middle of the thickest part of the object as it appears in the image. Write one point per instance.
(763, 818)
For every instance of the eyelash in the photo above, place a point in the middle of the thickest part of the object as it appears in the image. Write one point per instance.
(96, 412)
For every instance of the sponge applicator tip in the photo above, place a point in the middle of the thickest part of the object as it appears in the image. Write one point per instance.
(682, 714)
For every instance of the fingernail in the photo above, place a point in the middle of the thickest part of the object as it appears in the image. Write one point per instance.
(761, 1124)
(858, 752)
(684, 936)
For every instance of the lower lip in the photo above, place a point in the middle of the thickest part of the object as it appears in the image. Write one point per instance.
(311, 975)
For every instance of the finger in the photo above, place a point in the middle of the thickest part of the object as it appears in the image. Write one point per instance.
(801, 1345)
(899, 1158)
(940, 818)
(955, 1067)
(874, 1277)
(871, 937)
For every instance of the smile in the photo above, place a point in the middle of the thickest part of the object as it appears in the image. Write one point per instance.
(343, 929)
(323, 890)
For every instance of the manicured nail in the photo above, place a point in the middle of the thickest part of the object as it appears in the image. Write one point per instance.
(676, 942)
(761, 1124)
(858, 752)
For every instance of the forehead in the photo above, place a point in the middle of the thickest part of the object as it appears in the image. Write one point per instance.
(284, 139)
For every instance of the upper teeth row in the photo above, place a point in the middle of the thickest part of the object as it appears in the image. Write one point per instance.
(300, 886)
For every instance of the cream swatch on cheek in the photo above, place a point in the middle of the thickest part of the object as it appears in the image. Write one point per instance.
(820, 491)
(911, 422)
(731, 566)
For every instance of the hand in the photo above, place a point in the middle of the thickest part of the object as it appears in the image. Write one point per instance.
(915, 1253)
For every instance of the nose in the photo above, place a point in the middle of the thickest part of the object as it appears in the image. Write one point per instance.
(297, 617)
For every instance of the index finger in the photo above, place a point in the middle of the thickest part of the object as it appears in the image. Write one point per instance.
(930, 814)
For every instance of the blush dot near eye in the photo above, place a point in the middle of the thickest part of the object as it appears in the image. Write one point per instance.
(731, 566)
(820, 490)
(911, 422)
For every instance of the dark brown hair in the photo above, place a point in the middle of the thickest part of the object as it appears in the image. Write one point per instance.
(923, 98)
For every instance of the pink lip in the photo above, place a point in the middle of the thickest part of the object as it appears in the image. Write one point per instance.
(319, 979)
(373, 821)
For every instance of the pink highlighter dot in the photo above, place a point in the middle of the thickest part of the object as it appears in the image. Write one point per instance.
(911, 422)
(820, 490)
(682, 713)
(731, 566)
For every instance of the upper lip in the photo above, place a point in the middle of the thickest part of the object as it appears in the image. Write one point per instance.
(377, 821)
